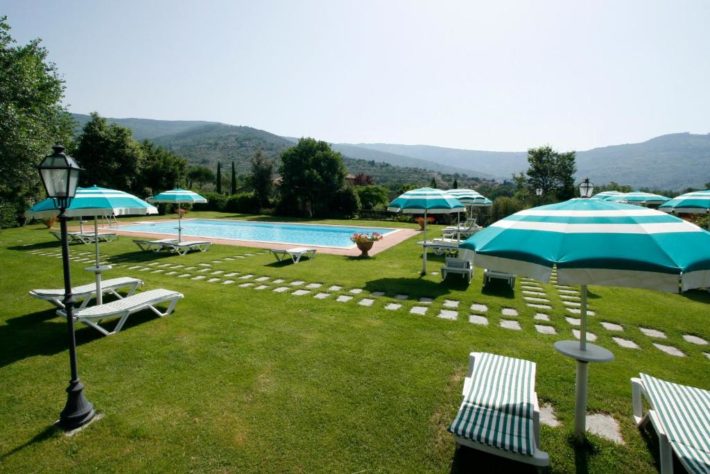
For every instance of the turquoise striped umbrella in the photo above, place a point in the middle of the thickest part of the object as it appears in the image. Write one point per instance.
(426, 201)
(591, 241)
(469, 197)
(639, 198)
(178, 196)
(95, 201)
(696, 202)
(606, 195)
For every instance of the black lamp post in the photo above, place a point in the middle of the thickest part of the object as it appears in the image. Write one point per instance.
(586, 188)
(60, 176)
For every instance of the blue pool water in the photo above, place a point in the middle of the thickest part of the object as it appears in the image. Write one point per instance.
(301, 234)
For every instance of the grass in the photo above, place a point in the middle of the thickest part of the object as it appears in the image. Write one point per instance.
(240, 380)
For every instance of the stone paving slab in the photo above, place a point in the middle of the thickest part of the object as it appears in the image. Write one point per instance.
(695, 340)
(343, 298)
(246, 277)
(425, 300)
(378, 293)
(393, 306)
(355, 291)
(152, 264)
(321, 296)
(159, 270)
(278, 281)
(545, 329)
(579, 311)
(591, 337)
(479, 308)
(570, 298)
(539, 306)
(707, 354)
(612, 326)
(184, 275)
(246, 285)
(231, 274)
(335, 288)
(261, 287)
(604, 426)
(401, 297)
(281, 289)
(204, 264)
(171, 273)
(534, 299)
(478, 320)
(448, 314)
(547, 416)
(262, 278)
(670, 350)
(533, 293)
(366, 302)
(565, 291)
(187, 269)
(453, 304)
(508, 324)
(572, 304)
(213, 280)
(509, 312)
(313, 286)
(419, 310)
(199, 277)
(218, 272)
(228, 282)
(541, 317)
(297, 283)
(653, 333)
(573, 321)
(300, 292)
(625, 343)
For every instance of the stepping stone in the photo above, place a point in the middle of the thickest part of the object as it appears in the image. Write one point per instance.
(199, 277)
(343, 298)
(171, 273)
(564, 287)
(419, 310)
(228, 282)
(533, 293)
(184, 275)
(612, 326)
(189, 268)
(393, 306)
(448, 314)
(261, 287)
(573, 321)
(278, 281)
(567, 292)
(707, 354)
(218, 272)
(572, 304)
(366, 302)
(541, 317)
(163, 265)
(335, 288)
(604, 426)
(159, 270)
(544, 329)
(248, 254)
(179, 265)
(479, 308)
(535, 288)
(216, 261)
(625, 343)
(313, 286)
(670, 350)
(300, 292)
(203, 270)
(321, 296)
(356, 291)
(539, 306)
(231, 274)
(569, 298)
(401, 297)
(204, 264)
(579, 311)
(533, 299)
(152, 264)
(246, 285)
(451, 304)
(653, 333)
(509, 312)
(547, 416)
(695, 340)
(134, 267)
(260, 279)
(246, 277)
(508, 324)
(591, 337)
(297, 283)
(378, 293)
(425, 300)
(229, 259)
(212, 280)
(478, 320)
(239, 256)
(281, 289)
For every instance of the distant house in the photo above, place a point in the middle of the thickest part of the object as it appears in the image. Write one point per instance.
(350, 178)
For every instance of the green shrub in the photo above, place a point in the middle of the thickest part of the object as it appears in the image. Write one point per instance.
(242, 203)
(215, 202)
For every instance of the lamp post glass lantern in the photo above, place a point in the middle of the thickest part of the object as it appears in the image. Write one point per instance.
(60, 177)
(586, 188)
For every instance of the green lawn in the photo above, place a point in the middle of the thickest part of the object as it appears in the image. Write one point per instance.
(246, 380)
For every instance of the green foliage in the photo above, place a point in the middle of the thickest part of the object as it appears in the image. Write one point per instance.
(372, 197)
(215, 202)
(199, 176)
(552, 172)
(345, 203)
(262, 178)
(109, 155)
(242, 203)
(456, 184)
(505, 206)
(312, 174)
(161, 169)
(433, 184)
(32, 119)
(218, 185)
(233, 182)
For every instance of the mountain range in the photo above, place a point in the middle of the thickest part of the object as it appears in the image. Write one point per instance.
(669, 162)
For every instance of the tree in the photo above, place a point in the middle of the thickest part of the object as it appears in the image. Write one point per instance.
(433, 182)
(161, 169)
(218, 186)
(456, 184)
(32, 119)
(199, 175)
(312, 174)
(372, 196)
(552, 172)
(109, 155)
(262, 178)
(362, 179)
(233, 184)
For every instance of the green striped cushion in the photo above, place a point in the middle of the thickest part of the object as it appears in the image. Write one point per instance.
(685, 414)
(498, 409)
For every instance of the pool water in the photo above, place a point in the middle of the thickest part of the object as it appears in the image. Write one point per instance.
(282, 233)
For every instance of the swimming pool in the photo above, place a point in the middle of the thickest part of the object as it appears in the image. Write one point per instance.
(315, 235)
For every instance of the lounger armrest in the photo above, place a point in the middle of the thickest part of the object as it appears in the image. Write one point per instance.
(637, 392)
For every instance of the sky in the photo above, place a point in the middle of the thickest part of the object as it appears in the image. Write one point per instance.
(485, 75)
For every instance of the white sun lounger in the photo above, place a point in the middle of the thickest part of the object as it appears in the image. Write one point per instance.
(681, 417)
(461, 266)
(172, 245)
(155, 245)
(295, 253)
(499, 413)
(88, 291)
(490, 275)
(85, 237)
(123, 308)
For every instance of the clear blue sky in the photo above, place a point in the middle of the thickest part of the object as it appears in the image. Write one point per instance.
(490, 75)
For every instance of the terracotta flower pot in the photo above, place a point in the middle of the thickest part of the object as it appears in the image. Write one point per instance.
(364, 248)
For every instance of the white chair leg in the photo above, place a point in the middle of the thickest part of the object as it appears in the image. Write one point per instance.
(666, 454)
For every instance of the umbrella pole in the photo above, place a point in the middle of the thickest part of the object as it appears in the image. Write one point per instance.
(99, 293)
(580, 409)
(424, 247)
(179, 224)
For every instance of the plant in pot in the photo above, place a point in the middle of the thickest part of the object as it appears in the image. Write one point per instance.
(420, 221)
(365, 241)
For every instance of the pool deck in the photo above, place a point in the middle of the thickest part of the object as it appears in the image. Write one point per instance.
(388, 241)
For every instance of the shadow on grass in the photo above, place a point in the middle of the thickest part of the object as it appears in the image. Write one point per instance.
(37, 246)
(414, 287)
(583, 451)
(468, 460)
(650, 437)
(43, 435)
(702, 296)
(138, 257)
(498, 288)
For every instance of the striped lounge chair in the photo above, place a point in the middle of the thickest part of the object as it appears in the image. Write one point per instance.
(85, 293)
(681, 417)
(499, 413)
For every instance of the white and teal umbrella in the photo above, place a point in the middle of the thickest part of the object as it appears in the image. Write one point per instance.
(696, 202)
(639, 198)
(178, 196)
(469, 197)
(596, 242)
(425, 201)
(95, 202)
(606, 195)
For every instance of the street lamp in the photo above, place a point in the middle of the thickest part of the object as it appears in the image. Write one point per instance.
(586, 188)
(60, 177)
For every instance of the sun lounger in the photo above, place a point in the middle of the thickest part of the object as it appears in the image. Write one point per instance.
(155, 245)
(294, 254)
(462, 266)
(490, 275)
(681, 417)
(84, 293)
(441, 246)
(123, 308)
(499, 413)
(85, 237)
(181, 248)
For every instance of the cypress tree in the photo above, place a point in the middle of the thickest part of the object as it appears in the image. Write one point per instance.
(233, 187)
(219, 178)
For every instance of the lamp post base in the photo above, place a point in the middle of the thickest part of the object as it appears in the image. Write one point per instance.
(78, 411)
